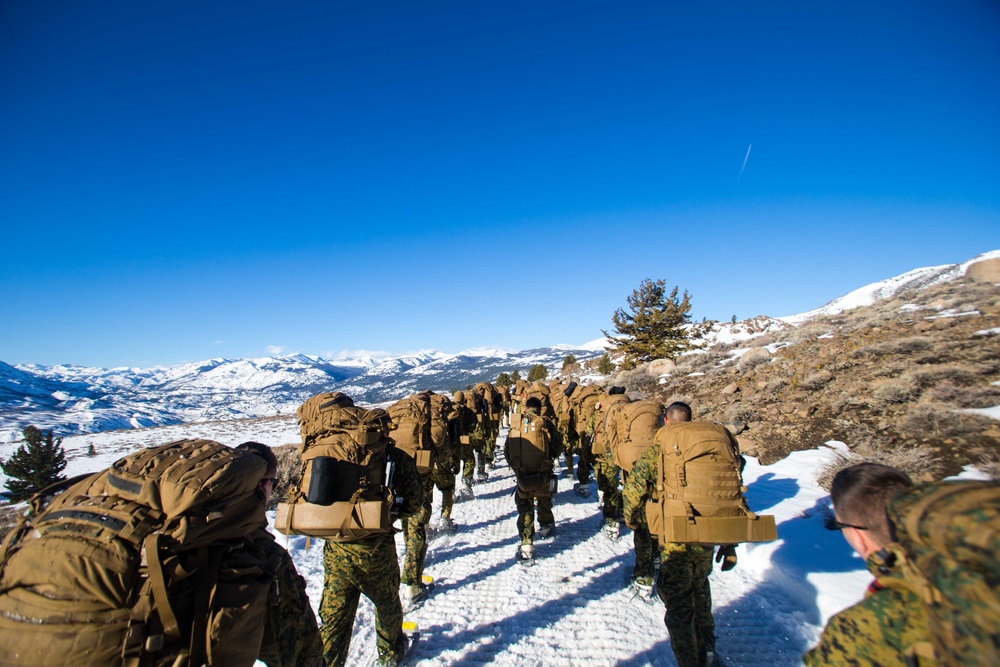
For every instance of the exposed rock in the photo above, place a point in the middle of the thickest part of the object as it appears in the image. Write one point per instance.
(986, 271)
(757, 355)
(730, 389)
(658, 367)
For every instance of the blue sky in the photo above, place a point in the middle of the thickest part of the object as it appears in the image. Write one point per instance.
(187, 180)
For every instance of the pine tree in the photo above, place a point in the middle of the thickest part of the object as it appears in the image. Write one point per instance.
(35, 465)
(569, 364)
(537, 372)
(503, 380)
(515, 377)
(606, 366)
(653, 328)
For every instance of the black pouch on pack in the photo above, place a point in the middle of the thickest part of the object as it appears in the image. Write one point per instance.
(568, 391)
(322, 481)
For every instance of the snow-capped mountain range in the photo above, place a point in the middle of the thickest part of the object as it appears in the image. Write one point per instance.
(76, 399)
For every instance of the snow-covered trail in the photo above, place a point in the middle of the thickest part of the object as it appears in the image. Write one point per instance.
(572, 607)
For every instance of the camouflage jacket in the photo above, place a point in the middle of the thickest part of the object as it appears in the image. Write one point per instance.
(406, 482)
(883, 629)
(291, 637)
(640, 486)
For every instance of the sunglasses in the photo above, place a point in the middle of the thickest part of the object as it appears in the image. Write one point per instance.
(840, 525)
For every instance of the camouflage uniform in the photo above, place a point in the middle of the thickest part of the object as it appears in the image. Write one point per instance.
(684, 569)
(291, 638)
(467, 426)
(369, 566)
(606, 472)
(525, 502)
(415, 534)
(446, 467)
(879, 630)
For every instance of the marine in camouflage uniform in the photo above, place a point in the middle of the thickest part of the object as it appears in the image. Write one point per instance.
(606, 471)
(291, 638)
(368, 566)
(682, 583)
(447, 463)
(468, 427)
(525, 501)
(879, 630)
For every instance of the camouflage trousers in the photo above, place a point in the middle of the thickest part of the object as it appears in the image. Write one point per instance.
(415, 534)
(469, 453)
(645, 548)
(367, 567)
(683, 587)
(444, 480)
(585, 460)
(525, 503)
(568, 446)
(607, 483)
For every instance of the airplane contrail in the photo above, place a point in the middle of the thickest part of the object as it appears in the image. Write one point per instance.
(743, 168)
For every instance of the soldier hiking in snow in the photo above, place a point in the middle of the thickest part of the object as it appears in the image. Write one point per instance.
(412, 433)
(469, 433)
(447, 444)
(532, 444)
(631, 428)
(932, 549)
(559, 394)
(682, 583)
(355, 482)
(604, 463)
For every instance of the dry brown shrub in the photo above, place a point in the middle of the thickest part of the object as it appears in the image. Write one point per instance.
(892, 391)
(758, 356)
(816, 380)
(909, 345)
(957, 373)
(865, 445)
(638, 382)
(289, 472)
(775, 384)
(700, 362)
(926, 419)
(963, 397)
(988, 461)
(741, 413)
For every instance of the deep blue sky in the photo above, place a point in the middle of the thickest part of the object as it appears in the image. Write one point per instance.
(186, 180)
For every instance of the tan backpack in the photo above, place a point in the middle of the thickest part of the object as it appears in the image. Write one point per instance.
(149, 562)
(584, 400)
(599, 441)
(631, 428)
(699, 493)
(441, 411)
(343, 495)
(528, 450)
(492, 401)
(411, 419)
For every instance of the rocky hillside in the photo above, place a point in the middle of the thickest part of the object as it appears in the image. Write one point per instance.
(898, 381)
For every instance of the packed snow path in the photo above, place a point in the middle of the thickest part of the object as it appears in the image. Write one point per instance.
(573, 606)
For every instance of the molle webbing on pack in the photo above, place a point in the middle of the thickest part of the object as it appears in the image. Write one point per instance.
(631, 428)
(148, 562)
(343, 471)
(700, 482)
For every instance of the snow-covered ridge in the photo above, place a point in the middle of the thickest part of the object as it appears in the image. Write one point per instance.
(884, 289)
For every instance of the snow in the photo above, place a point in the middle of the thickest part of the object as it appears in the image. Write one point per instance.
(867, 295)
(573, 606)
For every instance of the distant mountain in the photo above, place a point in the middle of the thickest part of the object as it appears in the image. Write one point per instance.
(76, 399)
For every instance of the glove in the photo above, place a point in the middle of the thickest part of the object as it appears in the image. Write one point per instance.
(727, 556)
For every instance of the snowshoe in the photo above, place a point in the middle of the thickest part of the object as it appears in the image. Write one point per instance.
(446, 525)
(546, 530)
(582, 490)
(526, 555)
(465, 493)
(611, 531)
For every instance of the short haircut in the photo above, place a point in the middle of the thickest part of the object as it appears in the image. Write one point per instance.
(860, 495)
(679, 412)
(264, 452)
(533, 403)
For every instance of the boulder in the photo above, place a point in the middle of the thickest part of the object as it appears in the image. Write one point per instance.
(658, 367)
(755, 356)
(985, 271)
